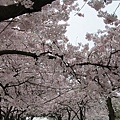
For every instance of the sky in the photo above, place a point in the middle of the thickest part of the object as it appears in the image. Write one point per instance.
(40, 118)
(37, 118)
(90, 23)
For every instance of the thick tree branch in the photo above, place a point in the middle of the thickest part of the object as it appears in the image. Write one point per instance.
(5, 52)
(14, 10)
(30, 54)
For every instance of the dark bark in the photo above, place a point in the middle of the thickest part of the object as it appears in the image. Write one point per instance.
(81, 114)
(14, 10)
(18, 52)
(111, 112)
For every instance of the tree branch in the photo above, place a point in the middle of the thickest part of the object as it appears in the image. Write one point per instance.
(5, 52)
(49, 54)
(94, 64)
(14, 10)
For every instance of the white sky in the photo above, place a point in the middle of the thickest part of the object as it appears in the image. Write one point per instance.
(37, 118)
(90, 23)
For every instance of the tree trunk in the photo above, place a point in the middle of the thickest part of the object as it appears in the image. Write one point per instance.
(111, 112)
(81, 114)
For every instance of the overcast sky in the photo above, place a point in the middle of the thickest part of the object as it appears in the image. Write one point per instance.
(90, 23)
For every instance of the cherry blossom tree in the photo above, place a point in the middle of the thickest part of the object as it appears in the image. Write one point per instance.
(43, 74)
(25, 62)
